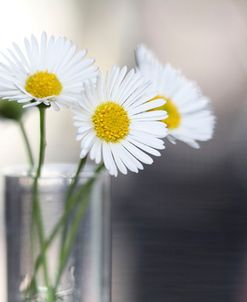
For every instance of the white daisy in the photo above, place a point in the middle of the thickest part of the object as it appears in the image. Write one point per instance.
(189, 116)
(115, 123)
(50, 72)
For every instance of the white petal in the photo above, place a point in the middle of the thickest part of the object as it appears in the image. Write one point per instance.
(147, 106)
(94, 148)
(197, 121)
(108, 159)
(88, 140)
(98, 151)
(157, 115)
(158, 129)
(140, 155)
(128, 159)
(144, 147)
(147, 139)
(122, 168)
(46, 55)
(83, 153)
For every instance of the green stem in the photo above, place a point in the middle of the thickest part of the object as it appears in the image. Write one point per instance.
(52, 236)
(82, 207)
(66, 248)
(27, 144)
(69, 201)
(37, 215)
(75, 179)
(71, 204)
(42, 141)
(28, 152)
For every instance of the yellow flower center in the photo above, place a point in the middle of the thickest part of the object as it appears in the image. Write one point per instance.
(43, 84)
(174, 118)
(111, 122)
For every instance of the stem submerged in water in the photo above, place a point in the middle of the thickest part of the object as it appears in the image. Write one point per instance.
(71, 203)
(75, 180)
(83, 202)
(69, 199)
(37, 215)
(66, 249)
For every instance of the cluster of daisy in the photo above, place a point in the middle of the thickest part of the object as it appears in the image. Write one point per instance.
(122, 117)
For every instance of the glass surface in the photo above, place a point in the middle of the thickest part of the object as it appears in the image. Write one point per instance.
(88, 272)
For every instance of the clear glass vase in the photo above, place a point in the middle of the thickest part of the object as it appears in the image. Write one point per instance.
(87, 276)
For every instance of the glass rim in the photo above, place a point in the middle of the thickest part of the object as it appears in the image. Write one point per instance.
(49, 171)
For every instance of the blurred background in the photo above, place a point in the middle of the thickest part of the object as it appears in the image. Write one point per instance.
(180, 226)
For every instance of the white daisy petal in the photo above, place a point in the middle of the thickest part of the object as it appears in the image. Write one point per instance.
(147, 139)
(108, 159)
(128, 160)
(32, 104)
(110, 80)
(98, 152)
(114, 123)
(88, 140)
(192, 143)
(55, 106)
(21, 56)
(158, 129)
(143, 157)
(144, 147)
(171, 139)
(94, 149)
(151, 115)
(50, 71)
(124, 86)
(147, 106)
(137, 95)
(83, 153)
(115, 89)
(79, 137)
(189, 115)
(130, 85)
(122, 168)
(82, 127)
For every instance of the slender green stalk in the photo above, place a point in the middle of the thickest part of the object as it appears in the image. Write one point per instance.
(27, 144)
(68, 199)
(56, 229)
(71, 204)
(37, 215)
(66, 249)
(69, 241)
(75, 180)
(28, 150)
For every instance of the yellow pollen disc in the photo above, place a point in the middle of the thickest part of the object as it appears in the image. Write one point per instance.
(111, 122)
(43, 84)
(174, 118)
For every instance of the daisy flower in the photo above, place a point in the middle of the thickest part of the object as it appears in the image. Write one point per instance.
(189, 116)
(115, 122)
(49, 71)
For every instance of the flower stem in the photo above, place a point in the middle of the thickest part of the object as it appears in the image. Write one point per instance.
(27, 144)
(37, 215)
(66, 249)
(75, 180)
(73, 230)
(68, 199)
(71, 204)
